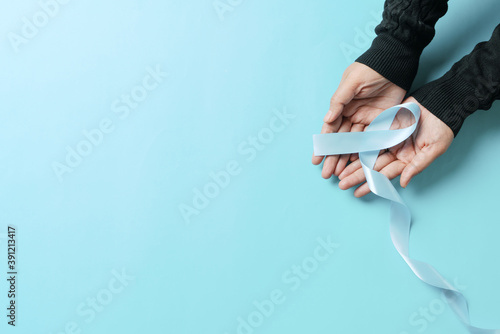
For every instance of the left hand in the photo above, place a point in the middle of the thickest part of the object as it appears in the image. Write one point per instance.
(362, 95)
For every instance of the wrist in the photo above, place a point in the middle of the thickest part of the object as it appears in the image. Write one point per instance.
(450, 99)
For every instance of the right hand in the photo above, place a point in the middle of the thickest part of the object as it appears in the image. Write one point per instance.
(361, 96)
(431, 139)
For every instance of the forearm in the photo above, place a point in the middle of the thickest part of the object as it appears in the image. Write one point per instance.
(406, 29)
(472, 83)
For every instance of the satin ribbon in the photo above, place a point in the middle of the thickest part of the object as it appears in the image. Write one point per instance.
(376, 137)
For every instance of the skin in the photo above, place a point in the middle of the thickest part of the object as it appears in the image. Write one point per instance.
(407, 159)
(361, 96)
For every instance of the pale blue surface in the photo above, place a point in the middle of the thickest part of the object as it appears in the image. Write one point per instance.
(120, 207)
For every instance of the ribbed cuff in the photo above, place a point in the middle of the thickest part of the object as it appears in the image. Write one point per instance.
(392, 59)
(450, 99)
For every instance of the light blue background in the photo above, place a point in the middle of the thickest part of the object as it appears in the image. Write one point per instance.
(120, 207)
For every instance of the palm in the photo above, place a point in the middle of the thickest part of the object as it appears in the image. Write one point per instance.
(404, 152)
(371, 101)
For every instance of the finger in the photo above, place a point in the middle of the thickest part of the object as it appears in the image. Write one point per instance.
(342, 161)
(341, 164)
(317, 159)
(391, 171)
(342, 96)
(331, 161)
(329, 165)
(354, 166)
(356, 128)
(327, 128)
(358, 176)
(419, 162)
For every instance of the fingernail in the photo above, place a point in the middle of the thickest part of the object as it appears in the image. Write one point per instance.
(328, 116)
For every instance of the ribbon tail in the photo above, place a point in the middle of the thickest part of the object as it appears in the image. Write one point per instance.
(376, 137)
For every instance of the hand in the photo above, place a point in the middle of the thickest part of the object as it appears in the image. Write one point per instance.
(431, 139)
(362, 95)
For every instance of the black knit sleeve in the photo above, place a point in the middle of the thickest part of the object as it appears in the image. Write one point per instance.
(472, 83)
(407, 27)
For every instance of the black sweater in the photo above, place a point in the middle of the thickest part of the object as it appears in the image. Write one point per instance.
(407, 27)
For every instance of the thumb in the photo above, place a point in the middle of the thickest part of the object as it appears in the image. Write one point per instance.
(419, 162)
(342, 96)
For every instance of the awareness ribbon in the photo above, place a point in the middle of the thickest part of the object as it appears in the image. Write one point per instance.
(368, 144)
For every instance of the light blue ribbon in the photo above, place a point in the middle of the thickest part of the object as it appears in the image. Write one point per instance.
(377, 136)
